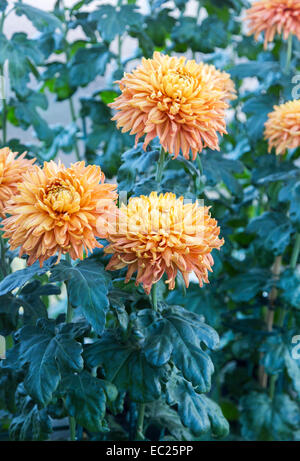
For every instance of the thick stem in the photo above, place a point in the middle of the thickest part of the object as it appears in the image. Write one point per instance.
(4, 108)
(199, 163)
(69, 316)
(154, 296)
(140, 422)
(160, 165)
(288, 53)
(295, 253)
(263, 377)
(3, 262)
(72, 424)
(74, 119)
(273, 380)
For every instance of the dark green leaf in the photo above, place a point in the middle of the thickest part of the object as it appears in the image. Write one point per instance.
(197, 412)
(86, 399)
(47, 350)
(88, 285)
(42, 20)
(265, 419)
(273, 229)
(132, 374)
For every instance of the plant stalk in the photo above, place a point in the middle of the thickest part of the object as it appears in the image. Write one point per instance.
(289, 53)
(295, 253)
(74, 119)
(140, 422)
(263, 377)
(154, 296)
(71, 104)
(69, 316)
(160, 165)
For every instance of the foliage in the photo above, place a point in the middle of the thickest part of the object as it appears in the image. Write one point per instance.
(117, 353)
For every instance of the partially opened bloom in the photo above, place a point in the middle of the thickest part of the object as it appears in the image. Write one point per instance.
(12, 170)
(159, 234)
(274, 17)
(181, 102)
(282, 129)
(60, 210)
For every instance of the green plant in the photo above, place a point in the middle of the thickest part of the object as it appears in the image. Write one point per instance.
(111, 360)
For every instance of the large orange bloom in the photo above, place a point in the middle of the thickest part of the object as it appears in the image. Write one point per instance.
(60, 209)
(181, 102)
(282, 129)
(12, 169)
(274, 16)
(158, 234)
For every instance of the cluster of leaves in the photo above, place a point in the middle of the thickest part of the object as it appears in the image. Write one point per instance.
(118, 353)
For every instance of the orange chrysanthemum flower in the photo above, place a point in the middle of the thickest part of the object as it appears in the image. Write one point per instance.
(181, 102)
(160, 233)
(60, 209)
(274, 16)
(12, 170)
(282, 129)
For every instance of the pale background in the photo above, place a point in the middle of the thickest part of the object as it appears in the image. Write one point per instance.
(58, 112)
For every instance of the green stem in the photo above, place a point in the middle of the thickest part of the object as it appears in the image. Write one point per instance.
(71, 104)
(119, 57)
(154, 296)
(199, 163)
(72, 424)
(160, 165)
(3, 262)
(288, 53)
(273, 380)
(74, 120)
(295, 253)
(140, 422)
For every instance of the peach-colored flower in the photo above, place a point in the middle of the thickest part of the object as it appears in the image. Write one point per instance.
(181, 102)
(159, 234)
(60, 209)
(282, 129)
(12, 169)
(224, 82)
(274, 17)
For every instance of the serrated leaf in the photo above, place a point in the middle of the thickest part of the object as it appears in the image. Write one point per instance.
(20, 277)
(29, 422)
(112, 21)
(266, 419)
(86, 398)
(247, 285)
(41, 19)
(132, 374)
(197, 412)
(178, 333)
(289, 283)
(273, 229)
(87, 63)
(19, 51)
(47, 350)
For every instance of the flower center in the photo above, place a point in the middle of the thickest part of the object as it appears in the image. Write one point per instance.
(178, 84)
(63, 198)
